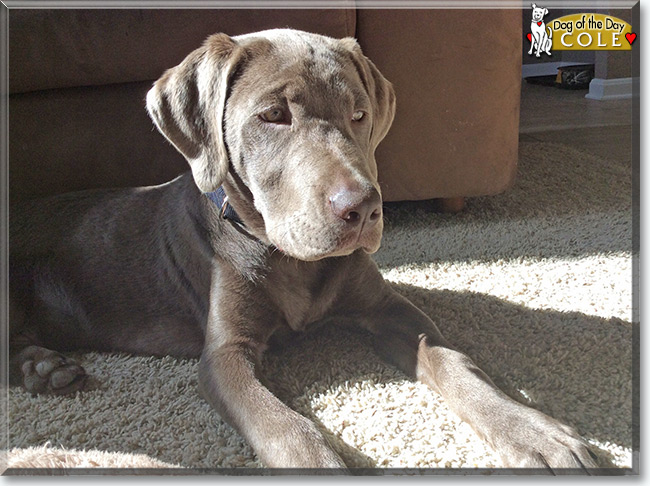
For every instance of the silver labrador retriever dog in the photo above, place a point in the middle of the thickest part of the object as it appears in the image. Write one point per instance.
(271, 231)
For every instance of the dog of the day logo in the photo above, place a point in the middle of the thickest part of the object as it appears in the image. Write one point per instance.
(582, 31)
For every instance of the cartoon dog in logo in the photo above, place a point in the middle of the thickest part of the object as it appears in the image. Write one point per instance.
(541, 39)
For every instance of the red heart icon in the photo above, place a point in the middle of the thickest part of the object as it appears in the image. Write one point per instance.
(631, 37)
(539, 23)
(530, 37)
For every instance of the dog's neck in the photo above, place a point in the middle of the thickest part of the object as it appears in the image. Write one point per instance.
(234, 208)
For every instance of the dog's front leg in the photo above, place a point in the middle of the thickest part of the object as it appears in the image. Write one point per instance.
(538, 43)
(522, 436)
(229, 379)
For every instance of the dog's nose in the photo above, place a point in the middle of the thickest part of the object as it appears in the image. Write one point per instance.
(356, 206)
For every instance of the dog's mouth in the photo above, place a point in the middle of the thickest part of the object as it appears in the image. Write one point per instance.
(319, 243)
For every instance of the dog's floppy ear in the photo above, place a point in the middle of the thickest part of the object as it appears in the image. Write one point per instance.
(187, 105)
(380, 90)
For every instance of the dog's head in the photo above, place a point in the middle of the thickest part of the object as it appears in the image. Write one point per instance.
(538, 13)
(288, 121)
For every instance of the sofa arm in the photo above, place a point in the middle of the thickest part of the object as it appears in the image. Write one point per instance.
(457, 75)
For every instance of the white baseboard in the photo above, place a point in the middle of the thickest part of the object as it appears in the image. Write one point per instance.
(611, 89)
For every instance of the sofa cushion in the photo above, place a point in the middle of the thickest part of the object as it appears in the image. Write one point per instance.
(63, 140)
(63, 48)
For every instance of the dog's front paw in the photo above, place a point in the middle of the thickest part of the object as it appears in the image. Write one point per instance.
(46, 371)
(535, 440)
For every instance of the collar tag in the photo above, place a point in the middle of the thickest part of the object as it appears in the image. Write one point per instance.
(226, 211)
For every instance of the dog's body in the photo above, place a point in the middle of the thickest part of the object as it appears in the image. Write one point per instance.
(286, 123)
(541, 40)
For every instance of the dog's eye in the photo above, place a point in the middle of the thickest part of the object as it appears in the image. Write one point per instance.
(275, 115)
(358, 115)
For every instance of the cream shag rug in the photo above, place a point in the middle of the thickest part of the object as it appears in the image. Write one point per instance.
(534, 284)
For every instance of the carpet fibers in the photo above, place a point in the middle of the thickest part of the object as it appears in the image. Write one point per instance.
(534, 284)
